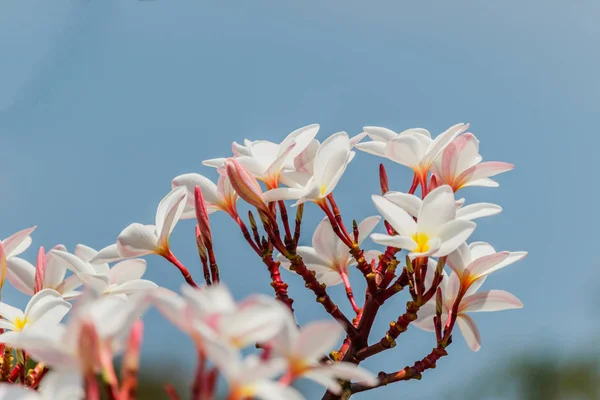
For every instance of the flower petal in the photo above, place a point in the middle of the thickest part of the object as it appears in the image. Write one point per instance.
(459, 259)
(169, 211)
(441, 141)
(487, 264)
(108, 254)
(133, 286)
(18, 242)
(269, 390)
(480, 249)
(46, 307)
(400, 220)
(409, 202)
(477, 210)
(137, 240)
(10, 313)
(438, 208)
(469, 331)
(21, 274)
(190, 181)
(406, 150)
(366, 226)
(399, 242)
(380, 134)
(493, 300)
(349, 372)
(375, 148)
(127, 270)
(452, 234)
(317, 339)
(425, 317)
(325, 241)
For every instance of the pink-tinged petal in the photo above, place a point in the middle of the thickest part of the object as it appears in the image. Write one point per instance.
(269, 390)
(273, 170)
(417, 132)
(87, 253)
(133, 286)
(459, 259)
(409, 203)
(317, 339)
(475, 286)
(215, 162)
(190, 181)
(486, 265)
(205, 301)
(441, 141)
(325, 241)
(72, 262)
(452, 234)
(477, 210)
(106, 255)
(513, 257)
(480, 249)
(304, 161)
(451, 289)
(425, 317)
(127, 270)
(375, 148)
(169, 211)
(493, 300)
(240, 149)
(245, 184)
(438, 208)
(469, 331)
(56, 269)
(400, 220)
(226, 193)
(431, 267)
(400, 242)
(366, 226)
(283, 194)
(483, 170)
(18, 242)
(326, 276)
(21, 274)
(309, 255)
(69, 285)
(137, 240)
(406, 150)
(380, 134)
(468, 151)
(46, 307)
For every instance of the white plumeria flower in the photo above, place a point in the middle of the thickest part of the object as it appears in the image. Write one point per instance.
(436, 233)
(412, 204)
(124, 278)
(211, 312)
(304, 349)
(329, 256)
(54, 386)
(46, 307)
(330, 163)
(10, 248)
(138, 240)
(21, 274)
(413, 148)
(473, 262)
(460, 165)
(250, 377)
(241, 149)
(58, 345)
(493, 300)
(265, 159)
(219, 197)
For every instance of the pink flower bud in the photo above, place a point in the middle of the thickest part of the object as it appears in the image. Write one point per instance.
(40, 270)
(202, 216)
(245, 184)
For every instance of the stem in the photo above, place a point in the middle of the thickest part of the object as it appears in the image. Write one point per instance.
(334, 225)
(247, 236)
(171, 392)
(169, 256)
(284, 219)
(299, 214)
(338, 217)
(200, 373)
(349, 293)
(413, 186)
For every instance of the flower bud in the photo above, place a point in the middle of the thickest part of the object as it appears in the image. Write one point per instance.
(202, 217)
(438, 302)
(40, 270)
(245, 185)
(383, 180)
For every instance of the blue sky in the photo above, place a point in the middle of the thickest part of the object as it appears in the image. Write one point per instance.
(102, 103)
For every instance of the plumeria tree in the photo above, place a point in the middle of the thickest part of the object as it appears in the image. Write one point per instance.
(86, 305)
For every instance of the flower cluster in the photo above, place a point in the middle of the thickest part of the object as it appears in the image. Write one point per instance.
(86, 306)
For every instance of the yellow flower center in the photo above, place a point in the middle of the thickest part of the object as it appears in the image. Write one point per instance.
(20, 323)
(422, 241)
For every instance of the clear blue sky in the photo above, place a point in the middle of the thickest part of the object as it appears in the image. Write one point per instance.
(103, 102)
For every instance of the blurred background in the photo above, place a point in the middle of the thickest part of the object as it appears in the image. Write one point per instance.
(102, 103)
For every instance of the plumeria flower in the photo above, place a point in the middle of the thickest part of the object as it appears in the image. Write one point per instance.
(22, 274)
(493, 300)
(11, 247)
(413, 148)
(124, 278)
(472, 263)
(329, 256)
(54, 386)
(138, 240)
(436, 233)
(211, 312)
(412, 204)
(46, 307)
(265, 159)
(58, 345)
(250, 377)
(460, 165)
(330, 163)
(305, 347)
(219, 197)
